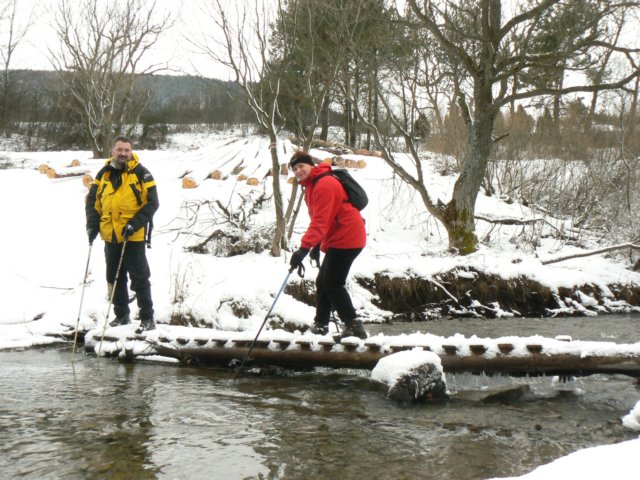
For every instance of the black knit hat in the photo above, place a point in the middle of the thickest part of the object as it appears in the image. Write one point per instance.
(300, 157)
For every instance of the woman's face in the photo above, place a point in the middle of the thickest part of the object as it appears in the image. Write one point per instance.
(301, 171)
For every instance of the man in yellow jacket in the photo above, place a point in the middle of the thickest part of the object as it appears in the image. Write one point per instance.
(120, 207)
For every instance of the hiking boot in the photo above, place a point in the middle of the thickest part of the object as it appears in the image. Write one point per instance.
(319, 329)
(123, 320)
(145, 325)
(354, 328)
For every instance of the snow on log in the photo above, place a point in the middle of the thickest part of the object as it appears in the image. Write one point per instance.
(411, 376)
(67, 172)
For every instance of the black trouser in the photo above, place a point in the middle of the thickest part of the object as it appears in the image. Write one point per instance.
(330, 285)
(135, 264)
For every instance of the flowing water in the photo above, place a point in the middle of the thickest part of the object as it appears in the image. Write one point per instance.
(64, 416)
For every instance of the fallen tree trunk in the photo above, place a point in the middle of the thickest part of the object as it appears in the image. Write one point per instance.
(516, 221)
(590, 253)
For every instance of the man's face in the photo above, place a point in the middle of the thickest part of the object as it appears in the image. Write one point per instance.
(301, 171)
(121, 152)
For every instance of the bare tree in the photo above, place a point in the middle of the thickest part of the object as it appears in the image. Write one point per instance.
(102, 45)
(486, 48)
(12, 33)
(240, 43)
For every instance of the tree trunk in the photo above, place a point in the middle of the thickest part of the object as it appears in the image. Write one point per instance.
(459, 217)
(278, 235)
(324, 118)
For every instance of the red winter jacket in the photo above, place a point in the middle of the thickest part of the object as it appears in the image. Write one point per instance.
(335, 223)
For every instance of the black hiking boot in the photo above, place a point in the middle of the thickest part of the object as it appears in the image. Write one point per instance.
(146, 324)
(354, 328)
(319, 329)
(123, 320)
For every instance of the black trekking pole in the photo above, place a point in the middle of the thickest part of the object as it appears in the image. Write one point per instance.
(113, 292)
(301, 273)
(84, 284)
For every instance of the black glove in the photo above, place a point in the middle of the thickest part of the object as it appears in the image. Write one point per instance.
(297, 257)
(314, 255)
(127, 231)
(92, 233)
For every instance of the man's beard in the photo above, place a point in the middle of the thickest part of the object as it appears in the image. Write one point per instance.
(121, 161)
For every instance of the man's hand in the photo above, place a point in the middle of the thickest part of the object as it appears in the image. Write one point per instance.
(92, 233)
(127, 231)
(297, 257)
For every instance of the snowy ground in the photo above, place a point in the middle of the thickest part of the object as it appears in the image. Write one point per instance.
(43, 251)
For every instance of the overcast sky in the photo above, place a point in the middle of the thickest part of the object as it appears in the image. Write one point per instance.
(172, 48)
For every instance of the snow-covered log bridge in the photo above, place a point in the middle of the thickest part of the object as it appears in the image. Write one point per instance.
(506, 355)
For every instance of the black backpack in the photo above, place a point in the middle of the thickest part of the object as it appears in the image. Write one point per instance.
(357, 196)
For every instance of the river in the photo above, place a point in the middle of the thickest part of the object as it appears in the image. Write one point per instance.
(76, 416)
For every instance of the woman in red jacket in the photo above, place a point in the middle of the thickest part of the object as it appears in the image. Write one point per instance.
(337, 229)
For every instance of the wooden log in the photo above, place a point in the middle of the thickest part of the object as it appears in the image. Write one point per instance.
(189, 182)
(43, 168)
(67, 172)
(518, 365)
(75, 163)
(534, 348)
(87, 180)
(350, 163)
(361, 164)
(339, 161)
(478, 349)
(253, 181)
(284, 169)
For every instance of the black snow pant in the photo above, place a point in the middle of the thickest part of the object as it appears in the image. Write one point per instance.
(330, 286)
(135, 265)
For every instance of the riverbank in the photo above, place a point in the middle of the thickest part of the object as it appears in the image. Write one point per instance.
(228, 281)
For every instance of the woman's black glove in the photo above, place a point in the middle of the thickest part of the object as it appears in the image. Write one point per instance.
(297, 257)
(314, 255)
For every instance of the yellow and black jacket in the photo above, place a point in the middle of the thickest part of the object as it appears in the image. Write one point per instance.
(120, 197)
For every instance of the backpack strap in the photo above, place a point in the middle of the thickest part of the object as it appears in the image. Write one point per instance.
(330, 174)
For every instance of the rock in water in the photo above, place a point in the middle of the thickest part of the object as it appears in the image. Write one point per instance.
(411, 376)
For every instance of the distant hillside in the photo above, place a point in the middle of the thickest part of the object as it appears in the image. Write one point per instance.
(174, 99)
